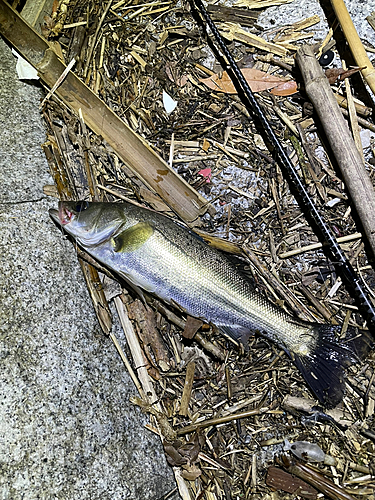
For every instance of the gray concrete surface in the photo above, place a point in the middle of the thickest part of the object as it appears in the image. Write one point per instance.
(67, 429)
(293, 12)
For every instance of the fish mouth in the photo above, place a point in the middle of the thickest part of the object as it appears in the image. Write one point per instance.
(65, 215)
(62, 216)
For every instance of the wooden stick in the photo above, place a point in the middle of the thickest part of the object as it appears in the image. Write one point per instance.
(318, 481)
(354, 42)
(186, 394)
(360, 108)
(341, 141)
(315, 246)
(219, 420)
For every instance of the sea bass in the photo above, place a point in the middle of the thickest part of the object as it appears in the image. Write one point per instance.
(170, 261)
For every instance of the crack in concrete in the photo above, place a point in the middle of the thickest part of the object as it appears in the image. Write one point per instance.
(24, 201)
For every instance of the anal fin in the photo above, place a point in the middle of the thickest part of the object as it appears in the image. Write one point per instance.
(238, 333)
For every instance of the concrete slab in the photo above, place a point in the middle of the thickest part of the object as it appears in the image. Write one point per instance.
(67, 429)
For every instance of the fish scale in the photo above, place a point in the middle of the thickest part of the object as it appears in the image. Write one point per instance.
(153, 253)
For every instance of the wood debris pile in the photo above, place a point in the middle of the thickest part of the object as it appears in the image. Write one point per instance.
(223, 413)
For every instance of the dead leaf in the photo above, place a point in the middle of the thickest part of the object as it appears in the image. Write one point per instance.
(180, 453)
(174, 74)
(340, 74)
(257, 80)
(190, 472)
(174, 458)
(284, 89)
(206, 145)
(47, 26)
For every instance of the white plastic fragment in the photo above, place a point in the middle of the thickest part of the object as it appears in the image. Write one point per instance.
(333, 202)
(24, 69)
(169, 103)
(310, 452)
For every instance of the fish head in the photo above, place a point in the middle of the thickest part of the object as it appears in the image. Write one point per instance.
(89, 223)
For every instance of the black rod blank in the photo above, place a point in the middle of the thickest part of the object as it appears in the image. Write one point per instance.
(337, 255)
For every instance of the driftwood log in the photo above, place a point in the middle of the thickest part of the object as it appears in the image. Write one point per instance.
(340, 139)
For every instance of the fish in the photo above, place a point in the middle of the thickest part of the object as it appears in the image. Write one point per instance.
(155, 254)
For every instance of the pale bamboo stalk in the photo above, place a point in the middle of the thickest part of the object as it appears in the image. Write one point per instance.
(136, 351)
(355, 44)
(353, 115)
(127, 364)
(315, 246)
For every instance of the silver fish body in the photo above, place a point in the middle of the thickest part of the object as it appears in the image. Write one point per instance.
(164, 258)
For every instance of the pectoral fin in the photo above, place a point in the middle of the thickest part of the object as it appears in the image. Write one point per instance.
(132, 238)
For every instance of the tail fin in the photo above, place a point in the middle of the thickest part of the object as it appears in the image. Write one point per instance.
(323, 369)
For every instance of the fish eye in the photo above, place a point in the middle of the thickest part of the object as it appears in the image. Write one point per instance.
(81, 206)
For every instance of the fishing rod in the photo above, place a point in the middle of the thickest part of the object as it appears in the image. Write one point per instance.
(248, 99)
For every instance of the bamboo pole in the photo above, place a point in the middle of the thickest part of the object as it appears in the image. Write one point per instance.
(130, 147)
(355, 44)
(340, 139)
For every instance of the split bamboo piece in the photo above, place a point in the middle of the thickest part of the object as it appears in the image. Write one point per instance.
(99, 301)
(354, 42)
(353, 115)
(136, 351)
(316, 246)
(131, 148)
(232, 31)
(340, 139)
